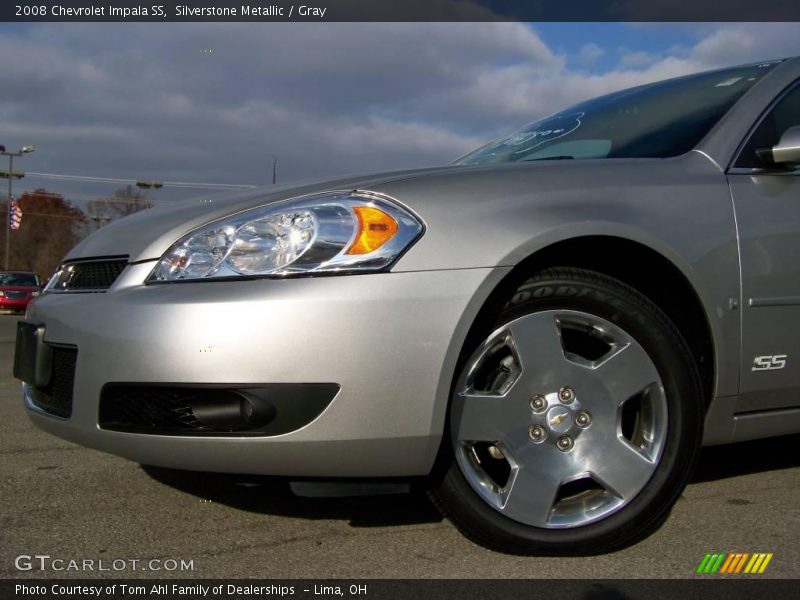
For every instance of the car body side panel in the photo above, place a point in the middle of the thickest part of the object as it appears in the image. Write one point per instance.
(688, 219)
(768, 212)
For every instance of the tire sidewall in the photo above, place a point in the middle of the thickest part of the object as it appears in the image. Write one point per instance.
(562, 289)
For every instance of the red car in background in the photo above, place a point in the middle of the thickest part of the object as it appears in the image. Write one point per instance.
(17, 288)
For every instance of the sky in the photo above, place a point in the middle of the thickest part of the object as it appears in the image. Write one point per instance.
(215, 102)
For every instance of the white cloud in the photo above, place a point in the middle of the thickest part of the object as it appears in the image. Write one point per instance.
(636, 59)
(143, 101)
(748, 42)
(590, 53)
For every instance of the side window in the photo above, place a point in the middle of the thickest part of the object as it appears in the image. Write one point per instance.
(785, 114)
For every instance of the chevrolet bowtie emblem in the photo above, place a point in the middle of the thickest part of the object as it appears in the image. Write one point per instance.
(558, 419)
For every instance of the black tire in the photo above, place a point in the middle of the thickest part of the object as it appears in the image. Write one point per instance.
(572, 289)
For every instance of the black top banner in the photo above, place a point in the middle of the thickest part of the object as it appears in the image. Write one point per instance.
(400, 10)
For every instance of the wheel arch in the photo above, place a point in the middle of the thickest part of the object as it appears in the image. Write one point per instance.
(651, 273)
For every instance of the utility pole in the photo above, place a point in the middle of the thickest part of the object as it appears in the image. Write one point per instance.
(11, 175)
(100, 219)
(147, 186)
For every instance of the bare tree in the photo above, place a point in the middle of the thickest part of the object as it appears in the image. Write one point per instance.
(125, 201)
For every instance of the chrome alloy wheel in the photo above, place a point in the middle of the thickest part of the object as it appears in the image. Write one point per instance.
(559, 419)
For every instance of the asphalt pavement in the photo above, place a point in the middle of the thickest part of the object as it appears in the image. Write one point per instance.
(72, 503)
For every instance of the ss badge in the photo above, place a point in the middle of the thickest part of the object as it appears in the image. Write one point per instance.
(769, 363)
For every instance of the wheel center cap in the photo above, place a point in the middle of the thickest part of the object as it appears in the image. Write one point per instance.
(559, 419)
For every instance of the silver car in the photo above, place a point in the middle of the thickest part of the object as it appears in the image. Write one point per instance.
(549, 329)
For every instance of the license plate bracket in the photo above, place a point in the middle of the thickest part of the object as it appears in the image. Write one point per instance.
(33, 359)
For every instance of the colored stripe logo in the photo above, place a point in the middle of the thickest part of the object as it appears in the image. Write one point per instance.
(734, 563)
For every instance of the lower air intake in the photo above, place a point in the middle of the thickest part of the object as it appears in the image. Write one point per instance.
(208, 410)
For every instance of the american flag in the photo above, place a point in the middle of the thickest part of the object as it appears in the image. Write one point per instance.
(15, 215)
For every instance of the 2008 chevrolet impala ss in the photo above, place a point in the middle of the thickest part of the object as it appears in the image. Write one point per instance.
(550, 328)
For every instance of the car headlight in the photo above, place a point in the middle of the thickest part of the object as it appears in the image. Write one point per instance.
(323, 233)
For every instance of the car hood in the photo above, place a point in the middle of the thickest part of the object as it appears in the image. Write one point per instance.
(496, 209)
(18, 288)
(148, 234)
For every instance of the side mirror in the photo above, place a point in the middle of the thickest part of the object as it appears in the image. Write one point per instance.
(787, 151)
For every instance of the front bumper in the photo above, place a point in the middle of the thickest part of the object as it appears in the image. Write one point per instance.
(390, 341)
(14, 305)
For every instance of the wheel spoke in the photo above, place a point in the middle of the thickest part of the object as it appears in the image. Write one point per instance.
(622, 468)
(532, 493)
(537, 340)
(477, 417)
(627, 372)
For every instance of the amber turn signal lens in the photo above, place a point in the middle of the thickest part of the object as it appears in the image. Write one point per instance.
(375, 228)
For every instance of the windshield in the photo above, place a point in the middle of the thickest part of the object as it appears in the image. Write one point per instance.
(28, 279)
(658, 120)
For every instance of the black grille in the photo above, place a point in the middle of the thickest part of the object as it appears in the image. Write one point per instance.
(56, 398)
(156, 409)
(213, 410)
(93, 275)
(13, 295)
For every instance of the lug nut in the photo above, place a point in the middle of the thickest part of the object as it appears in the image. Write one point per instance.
(496, 453)
(537, 433)
(564, 443)
(566, 395)
(538, 403)
(583, 419)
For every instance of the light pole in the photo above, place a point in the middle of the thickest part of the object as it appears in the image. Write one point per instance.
(10, 175)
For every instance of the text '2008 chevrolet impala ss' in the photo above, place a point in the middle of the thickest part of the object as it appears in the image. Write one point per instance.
(550, 328)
